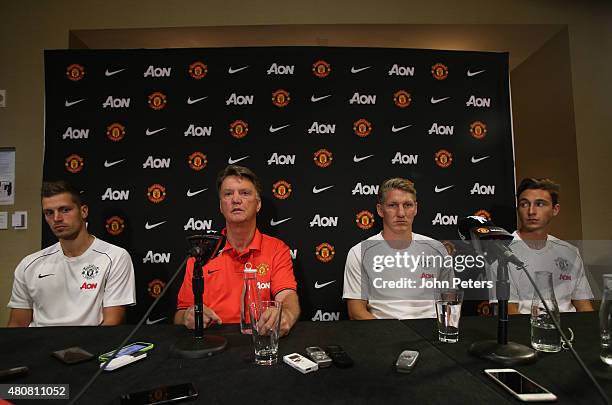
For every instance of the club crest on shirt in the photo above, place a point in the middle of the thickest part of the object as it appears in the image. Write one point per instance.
(90, 271)
(262, 269)
(562, 264)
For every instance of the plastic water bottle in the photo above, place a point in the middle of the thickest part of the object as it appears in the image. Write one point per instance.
(250, 294)
(544, 336)
(605, 320)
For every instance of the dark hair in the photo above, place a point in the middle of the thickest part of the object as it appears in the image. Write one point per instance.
(239, 171)
(53, 188)
(395, 183)
(531, 183)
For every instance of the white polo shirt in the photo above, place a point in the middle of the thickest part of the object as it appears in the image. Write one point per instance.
(420, 303)
(65, 291)
(558, 257)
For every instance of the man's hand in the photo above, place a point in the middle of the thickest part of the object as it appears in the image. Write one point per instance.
(187, 317)
(291, 310)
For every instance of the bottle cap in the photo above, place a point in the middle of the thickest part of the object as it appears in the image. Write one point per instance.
(248, 268)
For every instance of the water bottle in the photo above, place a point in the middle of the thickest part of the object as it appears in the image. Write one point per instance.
(250, 295)
(544, 336)
(605, 319)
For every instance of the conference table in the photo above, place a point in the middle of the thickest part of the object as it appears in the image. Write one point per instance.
(445, 373)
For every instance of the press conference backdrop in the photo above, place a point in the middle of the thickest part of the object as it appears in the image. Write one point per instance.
(144, 132)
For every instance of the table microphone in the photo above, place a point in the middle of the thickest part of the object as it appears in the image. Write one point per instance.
(202, 245)
(479, 231)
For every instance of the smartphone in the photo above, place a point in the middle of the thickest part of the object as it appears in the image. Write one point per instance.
(72, 355)
(132, 348)
(166, 394)
(339, 357)
(519, 385)
(319, 356)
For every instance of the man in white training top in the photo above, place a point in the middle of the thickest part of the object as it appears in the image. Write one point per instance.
(80, 280)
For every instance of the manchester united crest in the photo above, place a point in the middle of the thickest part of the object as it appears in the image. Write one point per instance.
(155, 287)
(156, 193)
(198, 70)
(443, 158)
(90, 271)
(262, 269)
(478, 129)
(323, 158)
(74, 163)
(321, 69)
(75, 72)
(562, 264)
(197, 161)
(364, 220)
(115, 225)
(402, 98)
(325, 252)
(281, 189)
(439, 71)
(280, 98)
(362, 127)
(115, 132)
(239, 129)
(157, 100)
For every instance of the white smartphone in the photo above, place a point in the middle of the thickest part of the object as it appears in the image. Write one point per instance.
(519, 385)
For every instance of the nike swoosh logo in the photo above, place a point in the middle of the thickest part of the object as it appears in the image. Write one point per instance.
(273, 130)
(111, 164)
(195, 100)
(231, 70)
(441, 189)
(316, 190)
(317, 99)
(192, 193)
(147, 226)
(395, 129)
(148, 132)
(71, 103)
(317, 285)
(353, 70)
(274, 223)
(150, 322)
(470, 74)
(476, 160)
(359, 159)
(45, 275)
(438, 100)
(232, 161)
(109, 73)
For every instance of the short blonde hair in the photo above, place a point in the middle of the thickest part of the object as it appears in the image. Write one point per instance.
(395, 183)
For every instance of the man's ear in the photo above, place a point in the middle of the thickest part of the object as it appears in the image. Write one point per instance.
(556, 210)
(84, 211)
(379, 210)
(258, 204)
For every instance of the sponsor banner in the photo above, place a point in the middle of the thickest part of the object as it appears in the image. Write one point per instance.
(144, 133)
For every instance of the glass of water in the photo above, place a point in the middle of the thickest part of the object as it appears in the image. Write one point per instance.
(448, 311)
(265, 321)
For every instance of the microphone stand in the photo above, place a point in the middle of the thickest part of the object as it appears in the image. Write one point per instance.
(502, 351)
(199, 346)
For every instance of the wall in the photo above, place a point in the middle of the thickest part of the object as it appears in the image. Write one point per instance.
(30, 26)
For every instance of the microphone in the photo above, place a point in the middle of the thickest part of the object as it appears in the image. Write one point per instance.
(474, 229)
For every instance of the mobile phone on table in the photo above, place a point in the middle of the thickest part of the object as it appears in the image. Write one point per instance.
(522, 387)
(161, 395)
(319, 356)
(339, 357)
(133, 349)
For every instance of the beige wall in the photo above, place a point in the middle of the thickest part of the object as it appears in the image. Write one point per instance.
(30, 26)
